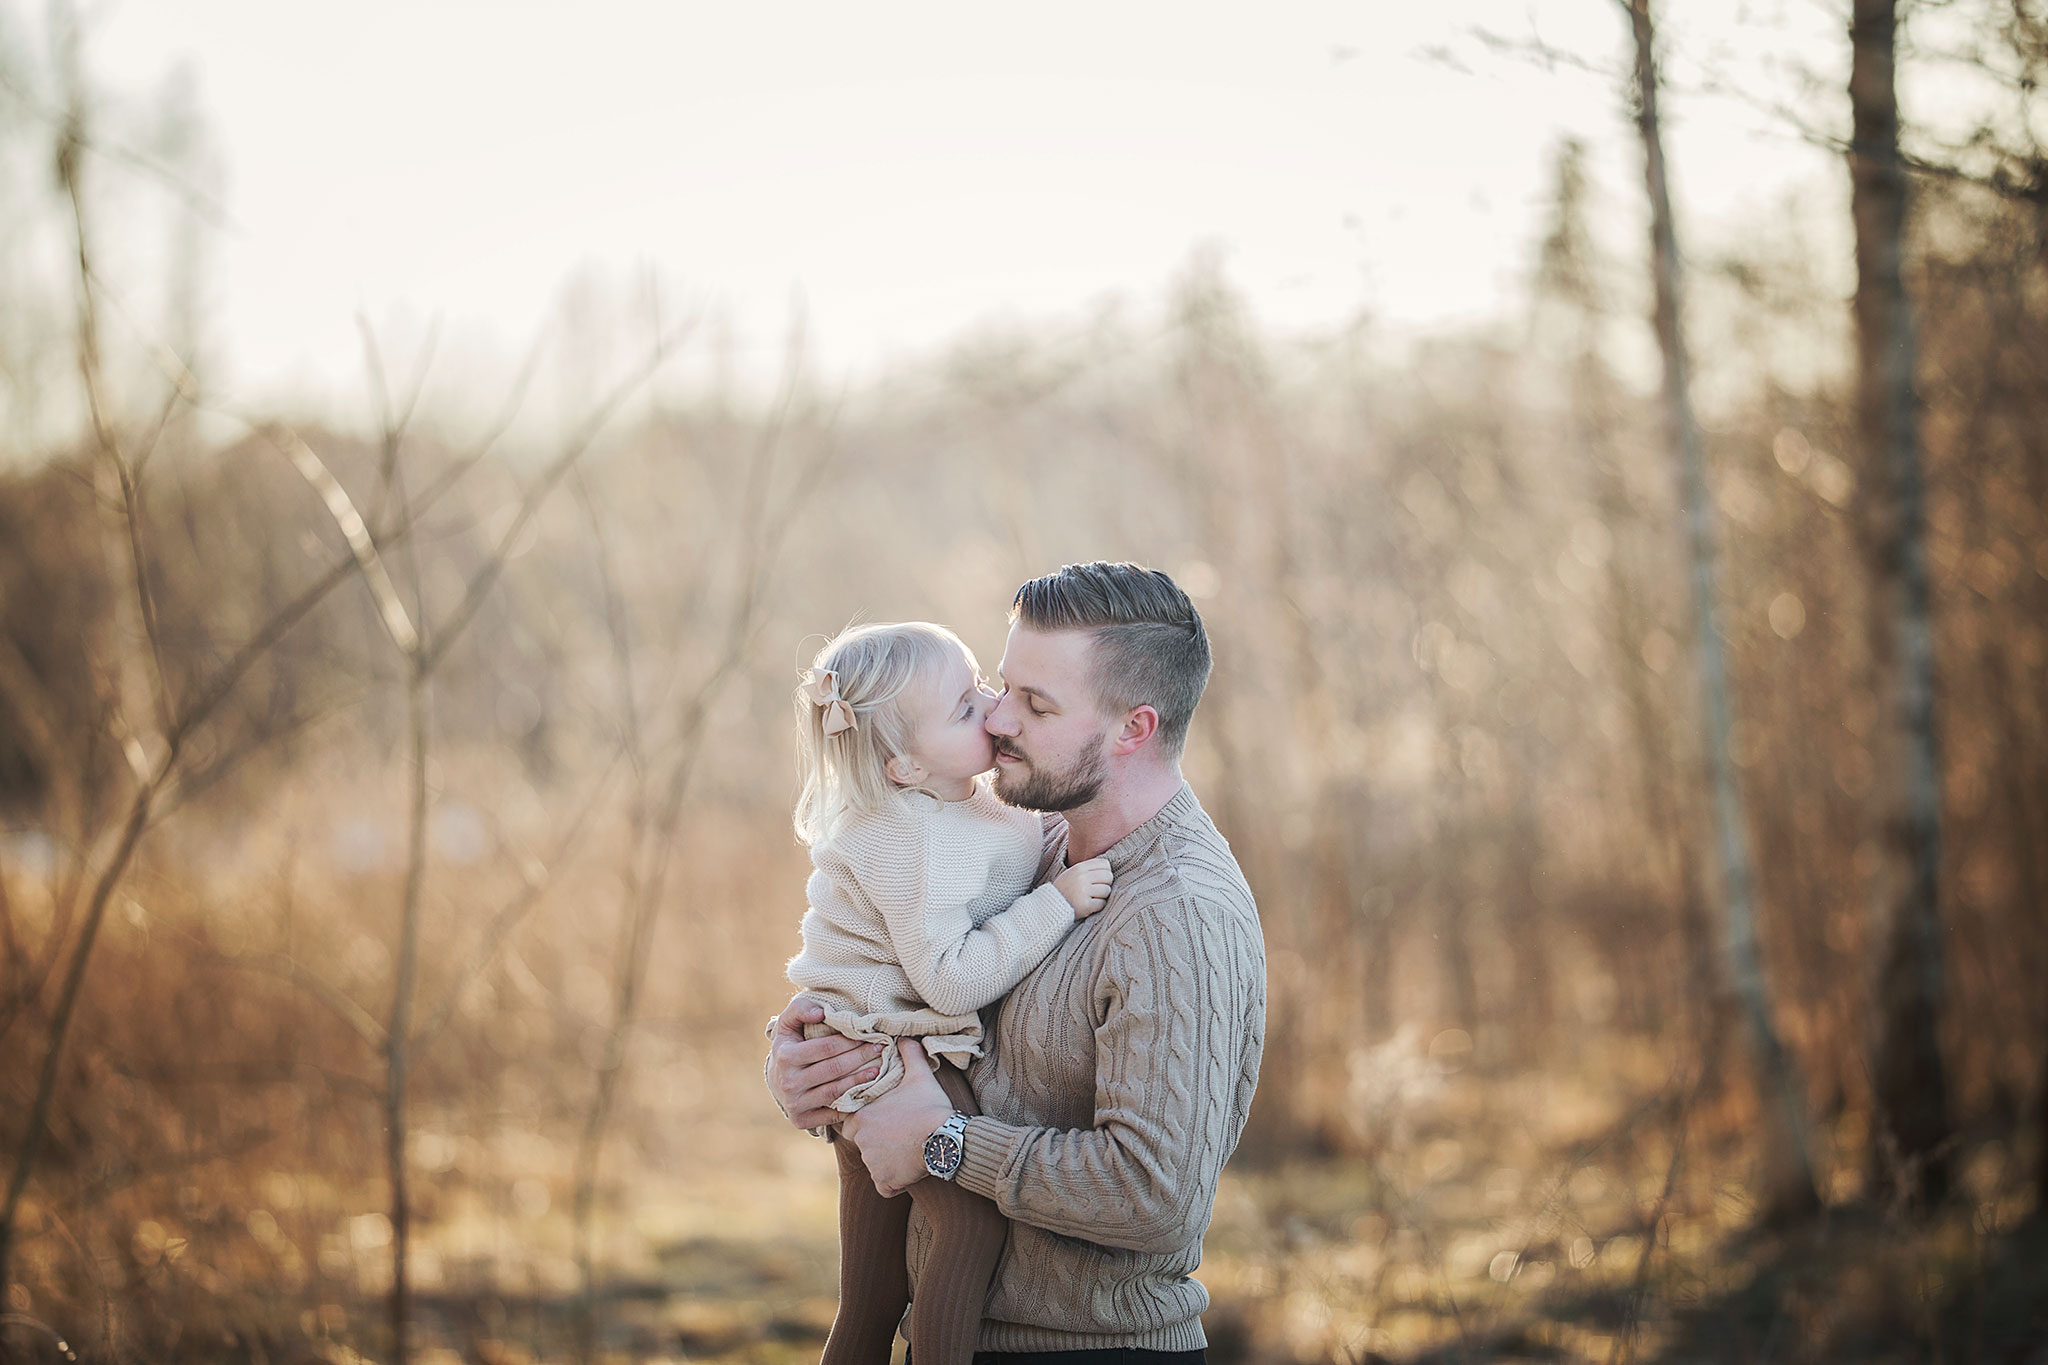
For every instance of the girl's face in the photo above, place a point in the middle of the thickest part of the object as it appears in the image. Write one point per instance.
(949, 746)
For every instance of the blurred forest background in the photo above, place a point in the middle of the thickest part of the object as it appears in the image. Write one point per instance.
(1636, 747)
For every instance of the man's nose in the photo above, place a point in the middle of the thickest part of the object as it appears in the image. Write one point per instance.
(1000, 721)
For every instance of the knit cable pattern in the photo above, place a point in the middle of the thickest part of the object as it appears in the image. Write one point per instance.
(1114, 1084)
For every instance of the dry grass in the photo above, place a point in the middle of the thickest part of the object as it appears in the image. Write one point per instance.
(204, 1211)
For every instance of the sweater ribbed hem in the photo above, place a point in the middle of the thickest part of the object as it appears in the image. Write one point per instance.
(1020, 1336)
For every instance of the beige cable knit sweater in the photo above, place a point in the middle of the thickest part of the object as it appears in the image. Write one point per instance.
(1116, 1081)
(920, 914)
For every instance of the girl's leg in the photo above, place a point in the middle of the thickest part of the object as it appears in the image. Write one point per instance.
(873, 1282)
(967, 1238)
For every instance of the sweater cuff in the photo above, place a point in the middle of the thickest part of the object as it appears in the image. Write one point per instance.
(1054, 908)
(987, 1152)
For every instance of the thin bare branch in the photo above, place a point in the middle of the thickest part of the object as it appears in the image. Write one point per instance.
(114, 480)
(209, 209)
(615, 630)
(448, 477)
(538, 880)
(157, 429)
(37, 1128)
(288, 968)
(392, 425)
(648, 862)
(186, 783)
(217, 689)
(450, 630)
(1624, 1346)
(397, 624)
(125, 1175)
(1539, 52)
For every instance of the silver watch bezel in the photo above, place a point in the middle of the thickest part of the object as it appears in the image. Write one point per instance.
(946, 1147)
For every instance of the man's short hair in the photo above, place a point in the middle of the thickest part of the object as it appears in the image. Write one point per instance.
(1149, 645)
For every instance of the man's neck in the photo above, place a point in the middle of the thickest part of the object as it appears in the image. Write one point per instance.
(1099, 826)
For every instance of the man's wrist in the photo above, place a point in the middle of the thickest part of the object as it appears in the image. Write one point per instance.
(945, 1147)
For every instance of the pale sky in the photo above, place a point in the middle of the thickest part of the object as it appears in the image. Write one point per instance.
(910, 170)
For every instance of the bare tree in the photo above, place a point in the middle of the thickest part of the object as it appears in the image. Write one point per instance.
(155, 727)
(423, 651)
(661, 783)
(1786, 1186)
(1910, 1083)
(1571, 297)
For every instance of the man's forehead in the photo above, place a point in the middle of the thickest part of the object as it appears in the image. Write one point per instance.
(1045, 659)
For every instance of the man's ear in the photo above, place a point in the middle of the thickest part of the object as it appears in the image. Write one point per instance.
(902, 771)
(1139, 726)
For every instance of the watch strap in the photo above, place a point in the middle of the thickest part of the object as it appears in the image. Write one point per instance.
(948, 1140)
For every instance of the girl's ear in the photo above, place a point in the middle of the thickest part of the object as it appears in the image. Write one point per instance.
(902, 771)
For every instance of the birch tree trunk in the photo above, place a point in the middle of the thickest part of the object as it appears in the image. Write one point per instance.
(1785, 1188)
(1910, 1086)
(1567, 280)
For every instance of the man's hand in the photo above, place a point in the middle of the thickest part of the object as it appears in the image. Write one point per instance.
(890, 1130)
(806, 1075)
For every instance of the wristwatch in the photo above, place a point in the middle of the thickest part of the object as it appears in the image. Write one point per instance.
(944, 1148)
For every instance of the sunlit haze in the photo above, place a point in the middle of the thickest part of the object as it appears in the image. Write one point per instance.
(900, 172)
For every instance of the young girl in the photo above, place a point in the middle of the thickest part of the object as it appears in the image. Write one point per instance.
(921, 912)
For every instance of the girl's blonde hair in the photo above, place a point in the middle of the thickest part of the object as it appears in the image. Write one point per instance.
(845, 773)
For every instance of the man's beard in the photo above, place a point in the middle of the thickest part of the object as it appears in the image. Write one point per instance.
(1077, 786)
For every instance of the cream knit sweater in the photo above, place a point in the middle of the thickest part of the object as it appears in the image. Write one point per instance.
(920, 914)
(1116, 1081)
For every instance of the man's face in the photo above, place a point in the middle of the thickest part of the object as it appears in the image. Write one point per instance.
(1050, 737)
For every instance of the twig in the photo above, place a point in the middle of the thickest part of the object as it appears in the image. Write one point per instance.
(113, 474)
(394, 424)
(616, 632)
(186, 783)
(648, 863)
(114, 1181)
(397, 624)
(1624, 1345)
(38, 1325)
(99, 1280)
(449, 476)
(60, 1018)
(199, 201)
(480, 584)
(290, 969)
(508, 916)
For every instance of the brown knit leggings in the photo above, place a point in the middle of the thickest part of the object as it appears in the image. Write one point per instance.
(967, 1237)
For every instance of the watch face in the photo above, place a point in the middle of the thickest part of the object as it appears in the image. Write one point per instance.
(942, 1154)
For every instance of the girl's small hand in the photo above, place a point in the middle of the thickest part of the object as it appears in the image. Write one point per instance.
(1086, 886)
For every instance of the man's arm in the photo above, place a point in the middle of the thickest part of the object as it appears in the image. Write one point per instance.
(805, 1075)
(1186, 988)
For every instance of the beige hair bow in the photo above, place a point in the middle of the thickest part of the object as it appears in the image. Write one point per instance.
(821, 685)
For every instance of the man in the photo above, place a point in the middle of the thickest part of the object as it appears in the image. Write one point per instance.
(1118, 1073)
